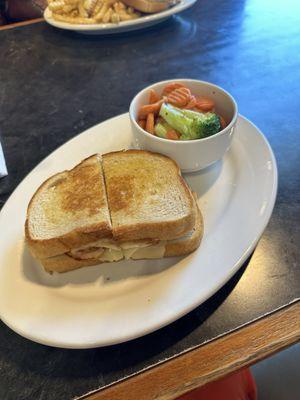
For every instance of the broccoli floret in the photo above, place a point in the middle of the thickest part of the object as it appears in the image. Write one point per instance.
(174, 117)
(191, 124)
(205, 124)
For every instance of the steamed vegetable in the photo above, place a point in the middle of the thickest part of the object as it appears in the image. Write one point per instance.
(176, 113)
(207, 123)
(190, 124)
(174, 117)
(162, 128)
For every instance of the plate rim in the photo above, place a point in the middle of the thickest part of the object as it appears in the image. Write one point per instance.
(186, 310)
(137, 23)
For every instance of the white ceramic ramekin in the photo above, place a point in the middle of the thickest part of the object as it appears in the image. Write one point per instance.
(191, 155)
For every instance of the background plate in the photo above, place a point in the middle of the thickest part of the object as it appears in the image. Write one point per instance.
(112, 303)
(125, 26)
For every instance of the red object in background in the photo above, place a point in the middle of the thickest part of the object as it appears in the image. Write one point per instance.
(237, 386)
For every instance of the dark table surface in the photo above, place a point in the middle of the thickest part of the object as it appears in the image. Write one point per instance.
(55, 84)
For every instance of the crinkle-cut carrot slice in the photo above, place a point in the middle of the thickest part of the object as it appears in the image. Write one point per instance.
(173, 135)
(150, 123)
(179, 97)
(170, 87)
(204, 103)
(177, 101)
(149, 108)
(142, 123)
(153, 97)
(191, 104)
(222, 122)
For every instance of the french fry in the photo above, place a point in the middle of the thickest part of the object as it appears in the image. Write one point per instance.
(74, 13)
(60, 11)
(71, 2)
(99, 17)
(73, 20)
(56, 5)
(120, 6)
(90, 6)
(126, 17)
(82, 11)
(107, 15)
(68, 8)
(110, 2)
(115, 18)
(97, 8)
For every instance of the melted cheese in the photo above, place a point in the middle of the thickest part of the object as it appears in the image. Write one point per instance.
(129, 252)
(101, 243)
(155, 251)
(86, 255)
(111, 244)
(111, 255)
(135, 245)
(187, 236)
(108, 250)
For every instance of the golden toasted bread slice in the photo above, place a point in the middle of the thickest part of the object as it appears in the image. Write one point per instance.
(68, 210)
(147, 196)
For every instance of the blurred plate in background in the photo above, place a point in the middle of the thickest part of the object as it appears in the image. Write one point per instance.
(125, 26)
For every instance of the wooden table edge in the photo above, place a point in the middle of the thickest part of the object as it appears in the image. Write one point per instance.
(21, 23)
(211, 361)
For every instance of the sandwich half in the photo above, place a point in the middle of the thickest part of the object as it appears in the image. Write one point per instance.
(130, 204)
(147, 197)
(68, 210)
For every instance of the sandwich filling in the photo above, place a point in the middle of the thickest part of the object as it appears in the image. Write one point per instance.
(110, 250)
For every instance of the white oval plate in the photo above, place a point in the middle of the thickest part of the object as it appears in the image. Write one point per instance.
(113, 303)
(125, 26)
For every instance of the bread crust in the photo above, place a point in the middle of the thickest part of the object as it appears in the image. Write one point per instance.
(183, 247)
(65, 263)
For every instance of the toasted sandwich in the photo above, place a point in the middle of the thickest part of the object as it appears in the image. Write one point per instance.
(129, 204)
